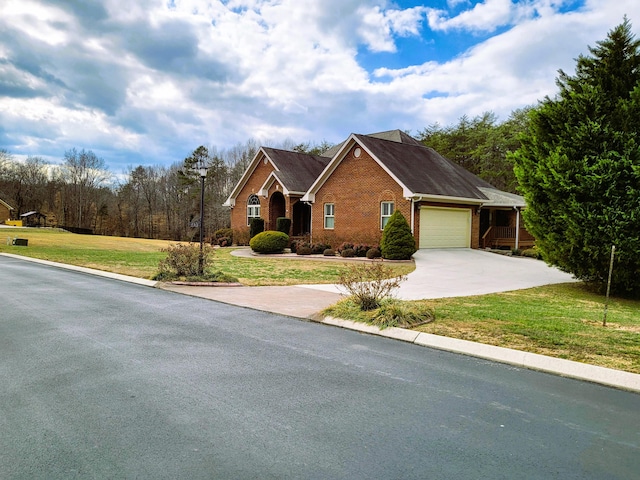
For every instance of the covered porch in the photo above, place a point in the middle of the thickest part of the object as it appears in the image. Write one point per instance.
(507, 237)
(501, 222)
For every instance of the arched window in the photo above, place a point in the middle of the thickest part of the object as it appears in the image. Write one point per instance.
(253, 208)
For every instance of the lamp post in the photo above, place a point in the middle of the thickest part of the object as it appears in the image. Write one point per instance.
(202, 169)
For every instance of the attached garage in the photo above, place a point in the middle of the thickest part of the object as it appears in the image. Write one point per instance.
(442, 227)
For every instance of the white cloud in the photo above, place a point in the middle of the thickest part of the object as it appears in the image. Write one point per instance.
(379, 27)
(485, 16)
(151, 82)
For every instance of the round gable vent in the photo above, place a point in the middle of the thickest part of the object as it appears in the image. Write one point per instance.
(357, 152)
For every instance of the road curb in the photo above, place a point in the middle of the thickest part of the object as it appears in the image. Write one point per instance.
(533, 361)
(90, 271)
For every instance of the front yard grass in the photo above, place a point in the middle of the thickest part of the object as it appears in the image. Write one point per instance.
(563, 321)
(140, 257)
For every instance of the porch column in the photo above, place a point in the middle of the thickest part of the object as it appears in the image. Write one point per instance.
(413, 216)
(517, 227)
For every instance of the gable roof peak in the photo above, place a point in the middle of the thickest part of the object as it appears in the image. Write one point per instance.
(397, 136)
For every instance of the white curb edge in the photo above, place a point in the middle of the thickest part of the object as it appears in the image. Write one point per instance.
(91, 271)
(533, 361)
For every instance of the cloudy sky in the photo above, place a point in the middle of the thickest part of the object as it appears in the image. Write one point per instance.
(145, 82)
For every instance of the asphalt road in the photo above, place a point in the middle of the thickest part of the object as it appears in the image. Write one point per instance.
(104, 379)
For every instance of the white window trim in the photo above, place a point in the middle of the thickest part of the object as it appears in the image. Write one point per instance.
(253, 209)
(384, 216)
(331, 216)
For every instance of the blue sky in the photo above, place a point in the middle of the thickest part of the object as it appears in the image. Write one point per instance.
(148, 84)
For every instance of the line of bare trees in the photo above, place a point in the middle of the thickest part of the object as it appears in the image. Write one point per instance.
(146, 201)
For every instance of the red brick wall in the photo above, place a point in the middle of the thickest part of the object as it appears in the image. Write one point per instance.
(256, 180)
(356, 187)
(253, 185)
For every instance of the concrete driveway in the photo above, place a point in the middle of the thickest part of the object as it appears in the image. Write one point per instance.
(460, 272)
(455, 272)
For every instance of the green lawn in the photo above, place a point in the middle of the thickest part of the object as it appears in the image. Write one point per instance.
(140, 257)
(562, 321)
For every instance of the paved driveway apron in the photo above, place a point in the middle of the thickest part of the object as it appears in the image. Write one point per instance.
(439, 273)
(460, 272)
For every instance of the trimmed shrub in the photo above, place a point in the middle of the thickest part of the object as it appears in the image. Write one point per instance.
(182, 260)
(225, 235)
(344, 246)
(283, 224)
(256, 227)
(296, 244)
(361, 249)
(329, 252)
(531, 253)
(397, 240)
(319, 248)
(225, 241)
(269, 242)
(348, 253)
(374, 253)
(241, 236)
(303, 250)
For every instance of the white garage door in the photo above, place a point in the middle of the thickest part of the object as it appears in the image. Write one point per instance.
(445, 227)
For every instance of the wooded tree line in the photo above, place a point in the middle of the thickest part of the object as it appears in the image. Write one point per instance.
(163, 202)
(147, 201)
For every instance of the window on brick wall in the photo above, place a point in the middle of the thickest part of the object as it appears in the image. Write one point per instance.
(329, 215)
(253, 208)
(386, 210)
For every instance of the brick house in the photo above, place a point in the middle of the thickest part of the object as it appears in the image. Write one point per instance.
(349, 192)
(5, 211)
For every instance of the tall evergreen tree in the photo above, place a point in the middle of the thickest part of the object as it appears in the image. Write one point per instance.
(579, 166)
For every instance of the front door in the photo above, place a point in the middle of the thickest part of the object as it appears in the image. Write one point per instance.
(277, 208)
(301, 219)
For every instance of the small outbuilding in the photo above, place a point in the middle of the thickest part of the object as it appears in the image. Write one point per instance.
(33, 219)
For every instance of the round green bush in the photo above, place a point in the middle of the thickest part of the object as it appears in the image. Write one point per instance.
(329, 252)
(269, 242)
(304, 250)
(348, 253)
(374, 253)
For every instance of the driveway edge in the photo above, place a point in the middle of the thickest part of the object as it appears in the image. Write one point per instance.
(533, 361)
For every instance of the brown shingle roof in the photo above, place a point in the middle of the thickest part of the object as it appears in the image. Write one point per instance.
(297, 171)
(397, 136)
(423, 170)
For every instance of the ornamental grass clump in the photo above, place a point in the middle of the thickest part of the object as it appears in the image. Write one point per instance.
(369, 283)
(391, 313)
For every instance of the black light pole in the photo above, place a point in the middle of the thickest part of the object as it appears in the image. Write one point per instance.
(202, 169)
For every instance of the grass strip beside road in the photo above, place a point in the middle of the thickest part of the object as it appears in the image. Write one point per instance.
(563, 321)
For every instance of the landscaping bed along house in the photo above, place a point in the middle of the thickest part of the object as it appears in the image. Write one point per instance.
(562, 321)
